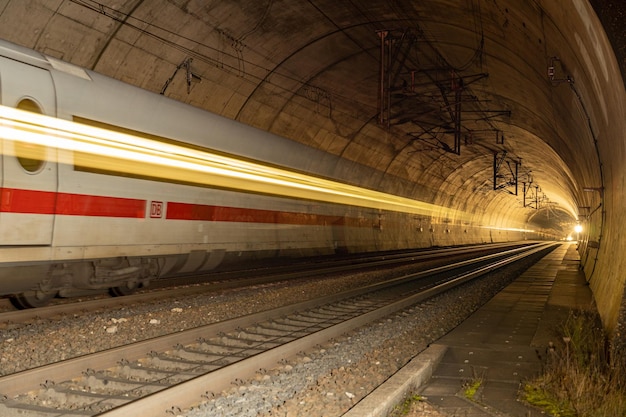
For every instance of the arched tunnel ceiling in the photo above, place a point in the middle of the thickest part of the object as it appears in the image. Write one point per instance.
(464, 83)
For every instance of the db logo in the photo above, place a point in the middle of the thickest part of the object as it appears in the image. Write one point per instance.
(156, 209)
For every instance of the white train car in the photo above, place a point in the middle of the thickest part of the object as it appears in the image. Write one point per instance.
(71, 221)
(199, 190)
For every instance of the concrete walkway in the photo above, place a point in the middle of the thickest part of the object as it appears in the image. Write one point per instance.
(499, 342)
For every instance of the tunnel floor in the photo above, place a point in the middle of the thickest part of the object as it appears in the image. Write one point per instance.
(500, 342)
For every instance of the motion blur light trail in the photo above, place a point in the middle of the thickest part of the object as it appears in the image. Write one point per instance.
(104, 149)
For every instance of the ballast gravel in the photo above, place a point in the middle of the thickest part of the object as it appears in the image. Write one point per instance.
(325, 382)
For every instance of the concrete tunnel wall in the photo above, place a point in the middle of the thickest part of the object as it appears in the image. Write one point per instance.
(582, 120)
(597, 134)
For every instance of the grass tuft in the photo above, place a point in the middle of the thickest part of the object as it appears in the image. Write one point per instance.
(582, 376)
(404, 408)
(543, 399)
(471, 388)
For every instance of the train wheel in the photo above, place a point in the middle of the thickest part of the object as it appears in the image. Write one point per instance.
(32, 299)
(123, 290)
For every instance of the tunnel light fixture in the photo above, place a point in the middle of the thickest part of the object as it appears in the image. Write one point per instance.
(599, 190)
(99, 148)
(578, 230)
(593, 189)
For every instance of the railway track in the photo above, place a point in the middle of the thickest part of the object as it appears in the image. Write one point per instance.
(234, 279)
(159, 376)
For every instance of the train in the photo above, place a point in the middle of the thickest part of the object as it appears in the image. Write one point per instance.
(74, 219)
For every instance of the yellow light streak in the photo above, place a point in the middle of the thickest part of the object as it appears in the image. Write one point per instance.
(135, 155)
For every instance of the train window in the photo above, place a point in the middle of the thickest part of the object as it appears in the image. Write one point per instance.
(31, 157)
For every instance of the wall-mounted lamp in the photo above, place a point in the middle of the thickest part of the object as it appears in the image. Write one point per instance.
(592, 189)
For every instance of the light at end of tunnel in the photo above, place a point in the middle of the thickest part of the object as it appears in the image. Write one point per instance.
(578, 228)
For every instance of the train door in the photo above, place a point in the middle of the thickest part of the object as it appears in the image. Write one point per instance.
(28, 172)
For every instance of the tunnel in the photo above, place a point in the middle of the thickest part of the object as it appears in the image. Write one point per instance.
(512, 113)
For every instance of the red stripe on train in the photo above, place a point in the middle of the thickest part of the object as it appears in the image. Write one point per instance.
(14, 200)
(185, 211)
(27, 201)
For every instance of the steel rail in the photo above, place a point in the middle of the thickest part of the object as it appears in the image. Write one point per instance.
(189, 393)
(30, 380)
(19, 316)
